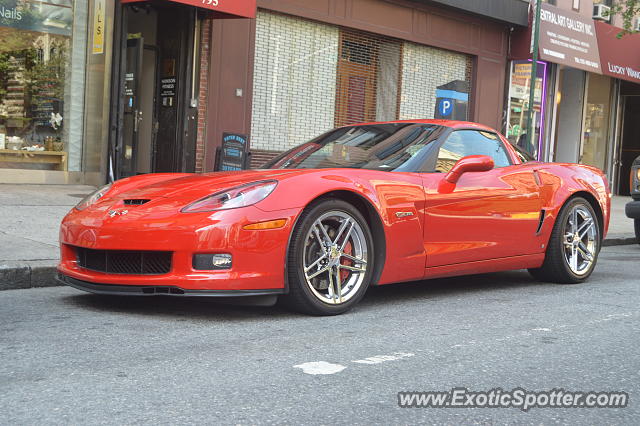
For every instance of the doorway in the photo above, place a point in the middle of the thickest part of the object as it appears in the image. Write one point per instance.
(569, 100)
(156, 77)
(630, 146)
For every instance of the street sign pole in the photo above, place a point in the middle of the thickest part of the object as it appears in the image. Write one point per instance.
(535, 35)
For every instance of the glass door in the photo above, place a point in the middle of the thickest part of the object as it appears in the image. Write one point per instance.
(597, 129)
(519, 91)
(127, 149)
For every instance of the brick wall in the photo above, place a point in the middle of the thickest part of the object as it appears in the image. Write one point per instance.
(205, 45)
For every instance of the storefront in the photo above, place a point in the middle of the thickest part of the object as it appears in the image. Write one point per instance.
(41, 53)
(620, 63)
(585, 113)
(318, 67)
(162, 74)
(105, 89)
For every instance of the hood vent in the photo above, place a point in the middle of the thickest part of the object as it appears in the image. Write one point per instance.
(135, 202)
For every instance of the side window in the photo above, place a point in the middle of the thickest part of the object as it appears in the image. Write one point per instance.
(461, 143)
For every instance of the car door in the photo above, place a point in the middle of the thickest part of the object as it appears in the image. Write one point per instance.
(485, 215)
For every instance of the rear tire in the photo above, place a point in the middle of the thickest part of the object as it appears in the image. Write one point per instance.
(574, 245)
(330, 259)
(636, 223)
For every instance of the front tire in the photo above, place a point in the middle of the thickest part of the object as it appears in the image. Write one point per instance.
(330, 260)
(574, 245)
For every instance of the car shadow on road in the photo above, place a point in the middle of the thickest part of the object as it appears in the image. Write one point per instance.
(377, 297)
(444, 288)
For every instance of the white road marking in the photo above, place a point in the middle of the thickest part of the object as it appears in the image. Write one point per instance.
(384, 358)
(320, 367)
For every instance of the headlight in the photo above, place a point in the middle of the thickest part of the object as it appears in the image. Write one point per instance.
(240, 196)
(93, 197)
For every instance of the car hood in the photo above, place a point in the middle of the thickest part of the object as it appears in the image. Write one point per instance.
(196, 186)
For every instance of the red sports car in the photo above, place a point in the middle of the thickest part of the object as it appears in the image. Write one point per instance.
(361, 205)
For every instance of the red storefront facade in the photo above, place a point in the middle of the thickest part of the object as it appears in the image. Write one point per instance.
(231, 73)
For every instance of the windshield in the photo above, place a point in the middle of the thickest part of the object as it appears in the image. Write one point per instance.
(390, 146)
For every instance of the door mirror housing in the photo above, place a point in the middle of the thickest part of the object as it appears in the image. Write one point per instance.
(470, 163)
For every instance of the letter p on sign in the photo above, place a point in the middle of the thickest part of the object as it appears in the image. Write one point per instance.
(446, 107)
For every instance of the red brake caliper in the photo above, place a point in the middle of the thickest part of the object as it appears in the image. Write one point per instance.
(348, 249)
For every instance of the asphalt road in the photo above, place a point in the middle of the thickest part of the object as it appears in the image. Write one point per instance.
(73, 358)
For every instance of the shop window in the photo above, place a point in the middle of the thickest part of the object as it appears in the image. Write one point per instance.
(294, 83)
(310, 77)
(35, 72)
(519, 92)
(436, 83)
(367, 78)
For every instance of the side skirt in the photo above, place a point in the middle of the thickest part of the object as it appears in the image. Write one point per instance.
(486, 266)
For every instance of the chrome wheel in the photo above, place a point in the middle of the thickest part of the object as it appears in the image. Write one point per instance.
(580, 240)
(335, 257)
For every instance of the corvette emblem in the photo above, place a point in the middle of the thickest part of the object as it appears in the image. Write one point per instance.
(404, 214)
(113, 213)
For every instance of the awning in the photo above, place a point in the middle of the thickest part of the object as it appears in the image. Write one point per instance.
(620, 57)
(240, 8)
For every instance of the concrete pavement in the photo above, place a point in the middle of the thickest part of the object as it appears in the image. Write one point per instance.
(75, 358)
(621, 227)
(31, 216)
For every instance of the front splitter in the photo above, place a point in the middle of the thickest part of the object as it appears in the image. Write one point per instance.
(154, 290)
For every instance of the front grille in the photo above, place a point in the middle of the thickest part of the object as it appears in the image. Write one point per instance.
(135, 202)
(125, 261)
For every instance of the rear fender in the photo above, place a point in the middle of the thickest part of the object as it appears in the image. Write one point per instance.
(560, 182)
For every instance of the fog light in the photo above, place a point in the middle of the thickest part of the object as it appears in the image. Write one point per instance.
(208, 262)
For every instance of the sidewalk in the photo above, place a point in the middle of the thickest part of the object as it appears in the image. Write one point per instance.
(31, 216)
(621, 227)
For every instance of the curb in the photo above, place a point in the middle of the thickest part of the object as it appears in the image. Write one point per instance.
(38, 274)
(619, 241)
(27, 275)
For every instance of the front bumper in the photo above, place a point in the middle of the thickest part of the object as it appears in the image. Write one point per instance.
(147, 290)
(259, 256)
(632, 209)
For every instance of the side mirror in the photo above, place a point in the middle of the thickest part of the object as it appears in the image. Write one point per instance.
(470, 163)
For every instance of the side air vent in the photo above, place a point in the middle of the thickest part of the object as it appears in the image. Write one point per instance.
(135, 202)
(543, 214)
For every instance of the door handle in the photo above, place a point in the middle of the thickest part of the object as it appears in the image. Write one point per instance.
(137, 118)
